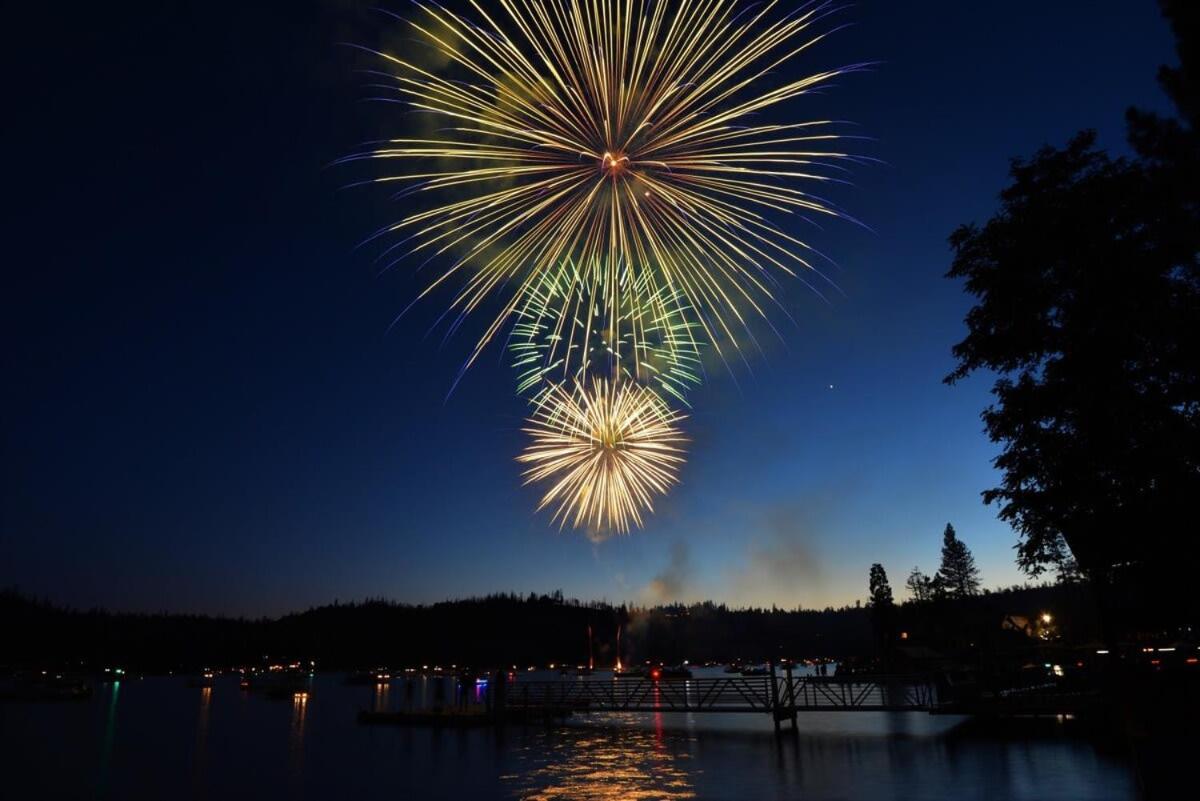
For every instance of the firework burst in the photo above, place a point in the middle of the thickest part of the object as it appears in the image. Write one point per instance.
(609, 175)
(606, 449)
(560, 317)
(624, 137)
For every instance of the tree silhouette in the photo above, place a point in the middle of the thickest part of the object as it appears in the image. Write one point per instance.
(919, 585)
(957, 577)
(1087, 284)
(883, 610)
(881, 591)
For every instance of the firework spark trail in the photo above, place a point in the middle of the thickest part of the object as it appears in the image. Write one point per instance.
(619, 137)
(608, 447)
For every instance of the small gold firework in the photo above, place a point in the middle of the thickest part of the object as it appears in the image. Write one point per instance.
(608, 448)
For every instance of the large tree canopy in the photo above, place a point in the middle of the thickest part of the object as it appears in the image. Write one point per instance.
(1088, 304)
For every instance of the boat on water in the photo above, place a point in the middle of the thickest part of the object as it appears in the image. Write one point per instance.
(755, 670)
(733, 667)
(276, 684)
(45, 686)
(205, 679)
(655, 672)
(364, 677)
(637, 672)
(674, 672)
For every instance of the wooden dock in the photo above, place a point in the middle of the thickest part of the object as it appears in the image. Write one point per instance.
(783, 696)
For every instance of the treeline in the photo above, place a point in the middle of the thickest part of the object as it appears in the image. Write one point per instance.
(497, 630)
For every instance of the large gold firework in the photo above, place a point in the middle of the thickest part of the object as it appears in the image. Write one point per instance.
(607, 447)
(625, 137)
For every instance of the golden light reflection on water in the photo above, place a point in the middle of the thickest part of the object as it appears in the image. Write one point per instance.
(607, 765)
(296, 739)
(383, 692)
(202, 720)
(200, 752)
(299, 711)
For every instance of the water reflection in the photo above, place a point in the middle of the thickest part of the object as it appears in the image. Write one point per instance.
(202, 720)
(199, 754)
(255, 747)
(603, 765)
(110, 733)
(296, 739)
(299, 712)
(382, 692)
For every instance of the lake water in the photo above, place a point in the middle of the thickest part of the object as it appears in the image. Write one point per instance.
(158, 738)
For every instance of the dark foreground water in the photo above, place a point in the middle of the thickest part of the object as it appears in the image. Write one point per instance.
(158, 738)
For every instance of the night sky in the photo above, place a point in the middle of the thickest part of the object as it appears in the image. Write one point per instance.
(204, 407)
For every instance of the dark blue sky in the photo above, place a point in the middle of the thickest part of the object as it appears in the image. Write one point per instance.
(204, 408)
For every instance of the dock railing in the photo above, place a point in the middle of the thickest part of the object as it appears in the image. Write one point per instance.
(771, 693)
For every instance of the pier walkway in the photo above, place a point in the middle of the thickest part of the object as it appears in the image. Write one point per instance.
(782, 695)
